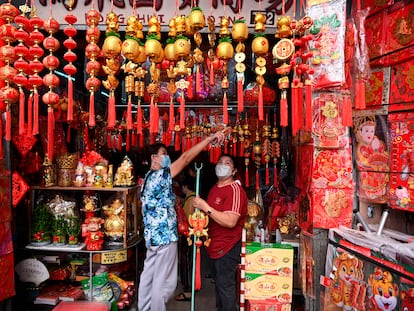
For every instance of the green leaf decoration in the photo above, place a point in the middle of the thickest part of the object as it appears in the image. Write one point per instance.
(131, 38)
(171, 40)
(225, 39)
(151, 37)
(331, 21)
(238, 21)
(112, 33)
(260, 34)
(196, 8)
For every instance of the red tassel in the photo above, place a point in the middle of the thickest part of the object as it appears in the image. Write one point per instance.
(22, 126)
(225, 109)
(91, 121)
(30, 114)
(8, 123)
(111, 110)
(134, 139)
(240, 96)
(139, 119)
(246, 176)
(309, 114)
(294, 109)
(129, 124)
(1, 136)
(190, 87)
(212, 75)
(50, 132)
(128, 141)
(275, 181)
(360, 94)
(283, 110)
(171, 117)
(198, 80)
(177, 141)
(347, 111)
(119, 142)
(267, 175)
(257, 180)
(260, 103)
(299, 102)
(70, 99)
(141, 140)
(35, 113)
(157, 119)
(197, 283)
(182, 112)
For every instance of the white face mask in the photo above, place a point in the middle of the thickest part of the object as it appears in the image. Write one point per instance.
(223, 171)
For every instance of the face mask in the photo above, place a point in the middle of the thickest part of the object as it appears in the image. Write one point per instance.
(165, 161)
(223, 171)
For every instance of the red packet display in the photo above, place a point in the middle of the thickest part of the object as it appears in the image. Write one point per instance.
(375, 5)
(328, 59)
(401, 190)
(371, 156)
(402, 86)
(377, 91)
(332, 207)
(303, 174)
(375, 34)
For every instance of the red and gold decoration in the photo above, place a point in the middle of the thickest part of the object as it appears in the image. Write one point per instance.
(240, 33)
(196, 23)
(70, 57)
(8, 94)
(111, 50)
(93, 66)
(260, 47)
(51, 80)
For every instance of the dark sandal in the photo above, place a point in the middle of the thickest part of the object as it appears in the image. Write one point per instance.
(182, 297)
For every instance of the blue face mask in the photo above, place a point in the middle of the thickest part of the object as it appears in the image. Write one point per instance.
(165, 161)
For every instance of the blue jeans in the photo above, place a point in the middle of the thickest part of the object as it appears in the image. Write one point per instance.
(225, 279)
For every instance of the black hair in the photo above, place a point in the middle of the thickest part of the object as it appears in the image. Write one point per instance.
(153, 149)
(189, 181)
(233, 159)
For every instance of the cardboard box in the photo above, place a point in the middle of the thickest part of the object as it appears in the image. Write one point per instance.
(268, 287)
(266, 305)
(269, 258)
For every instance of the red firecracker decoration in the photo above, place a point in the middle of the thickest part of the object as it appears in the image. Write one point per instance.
(70, 57)
(93, 66)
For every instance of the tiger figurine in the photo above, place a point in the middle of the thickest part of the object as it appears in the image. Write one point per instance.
(347, 274)
(383, 293)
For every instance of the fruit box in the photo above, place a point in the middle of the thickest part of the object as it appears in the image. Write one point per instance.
(266, 305)
(269, 258)
(269, 287)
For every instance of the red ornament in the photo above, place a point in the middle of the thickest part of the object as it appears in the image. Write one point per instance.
(19, 188)
(24, 143)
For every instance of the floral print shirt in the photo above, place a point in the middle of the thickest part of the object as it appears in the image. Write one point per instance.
(159, 217)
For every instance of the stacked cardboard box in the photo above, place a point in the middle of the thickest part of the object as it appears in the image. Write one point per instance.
(269, 276)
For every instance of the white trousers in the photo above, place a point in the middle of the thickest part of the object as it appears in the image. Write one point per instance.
(158, 280)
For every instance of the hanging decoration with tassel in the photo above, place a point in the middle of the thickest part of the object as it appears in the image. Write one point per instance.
(155, 53)
(70, 56)
(260, 47)
(51, 80)
(225, 52)
(257, 154)
(93, 66)
(246, 146)
(275, 152)
(22, 66)
(8, 93)
(111, 50)
(266, 149)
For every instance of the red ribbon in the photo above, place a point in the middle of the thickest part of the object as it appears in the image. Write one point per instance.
(260, 103)
(225, 111)
(240, 96)
(70, 99)
(50, 132)
(91, 121)
(283, 110)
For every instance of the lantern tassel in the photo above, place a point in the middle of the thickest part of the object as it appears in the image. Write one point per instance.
(347, 111)
(128, 141)
(35, 112)
(211, 74)
(225, 109)
(30, 114)
(70, 99)
(8, 123)
(197, 285)
(171, 117)
(198, 80)
(246, 176)
(139, 119)
(177, 141)
(275, 181)
(240, 96)
(283, 110)
(22, 126)
(111, 110)
(295, 109)
(260, 103)
(91, 121)
(190, 87)
(50, 132)
(308, 98)
(129, 113)
(257, 180)
(182, 112)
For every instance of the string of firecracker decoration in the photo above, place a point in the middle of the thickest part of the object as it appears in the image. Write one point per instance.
(93, 66)
(8, 93)
(70, 57)
(22, 66)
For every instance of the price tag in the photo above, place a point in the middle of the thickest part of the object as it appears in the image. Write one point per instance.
(114, 257)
